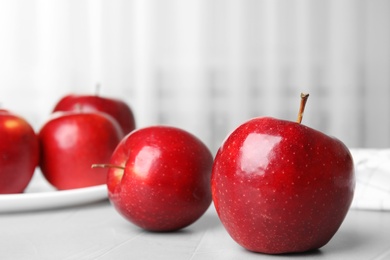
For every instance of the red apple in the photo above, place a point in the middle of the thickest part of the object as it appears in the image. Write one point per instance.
(281, 187)
(118, 109)
(162, 179)
(71, 142)
(19, 153)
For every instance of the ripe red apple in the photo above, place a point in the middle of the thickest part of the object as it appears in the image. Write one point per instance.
(71, 142)
(19, 153)
(118, 109)
(281, 187)
(162, 178)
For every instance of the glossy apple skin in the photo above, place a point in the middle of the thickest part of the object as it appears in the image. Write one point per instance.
(71, 142)
(165, 185)
(19, 153)
(118, 109)
(282, 187)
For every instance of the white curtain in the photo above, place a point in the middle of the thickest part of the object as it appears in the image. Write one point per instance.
(205, 65)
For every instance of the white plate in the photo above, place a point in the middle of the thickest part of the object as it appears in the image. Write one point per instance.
(40, 195)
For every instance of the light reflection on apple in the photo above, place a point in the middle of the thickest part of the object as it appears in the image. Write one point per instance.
(66, 136)
(255, 152)
(145, 160)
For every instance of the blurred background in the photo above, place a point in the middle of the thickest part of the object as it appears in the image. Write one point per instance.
(205, 65)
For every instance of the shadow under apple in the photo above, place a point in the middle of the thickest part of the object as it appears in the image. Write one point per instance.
(206, 222)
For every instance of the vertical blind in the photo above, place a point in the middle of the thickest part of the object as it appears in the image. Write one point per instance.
(205, 65)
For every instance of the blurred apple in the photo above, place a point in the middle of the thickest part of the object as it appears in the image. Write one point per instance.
(71, 142)
(118, 109)
(19, 153)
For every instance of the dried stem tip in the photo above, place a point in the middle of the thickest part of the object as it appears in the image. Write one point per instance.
(304, 98)
(107, 165)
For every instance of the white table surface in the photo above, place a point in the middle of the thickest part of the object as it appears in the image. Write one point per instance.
(96, 231)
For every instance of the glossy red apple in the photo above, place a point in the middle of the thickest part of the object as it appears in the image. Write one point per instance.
(281, 187)
(19, 153)
(118, 109)
(71, 142)
(164, 182)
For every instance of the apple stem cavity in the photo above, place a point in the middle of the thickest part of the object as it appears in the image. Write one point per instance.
(107, 165)
(304, 98)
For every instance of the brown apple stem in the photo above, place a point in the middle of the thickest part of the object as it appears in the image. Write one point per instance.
(107, 165)
(304, 98)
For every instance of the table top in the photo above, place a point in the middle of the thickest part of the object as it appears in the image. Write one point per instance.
(97, 231)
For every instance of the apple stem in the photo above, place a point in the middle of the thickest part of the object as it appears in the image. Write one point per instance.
(304, 98)
(107, 165)
(97, 89)
(79, 108)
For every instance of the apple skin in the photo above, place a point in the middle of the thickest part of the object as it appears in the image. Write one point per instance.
(71, 142)
(165, 183)
(118, 109)
(282, 187)
(19, 153)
